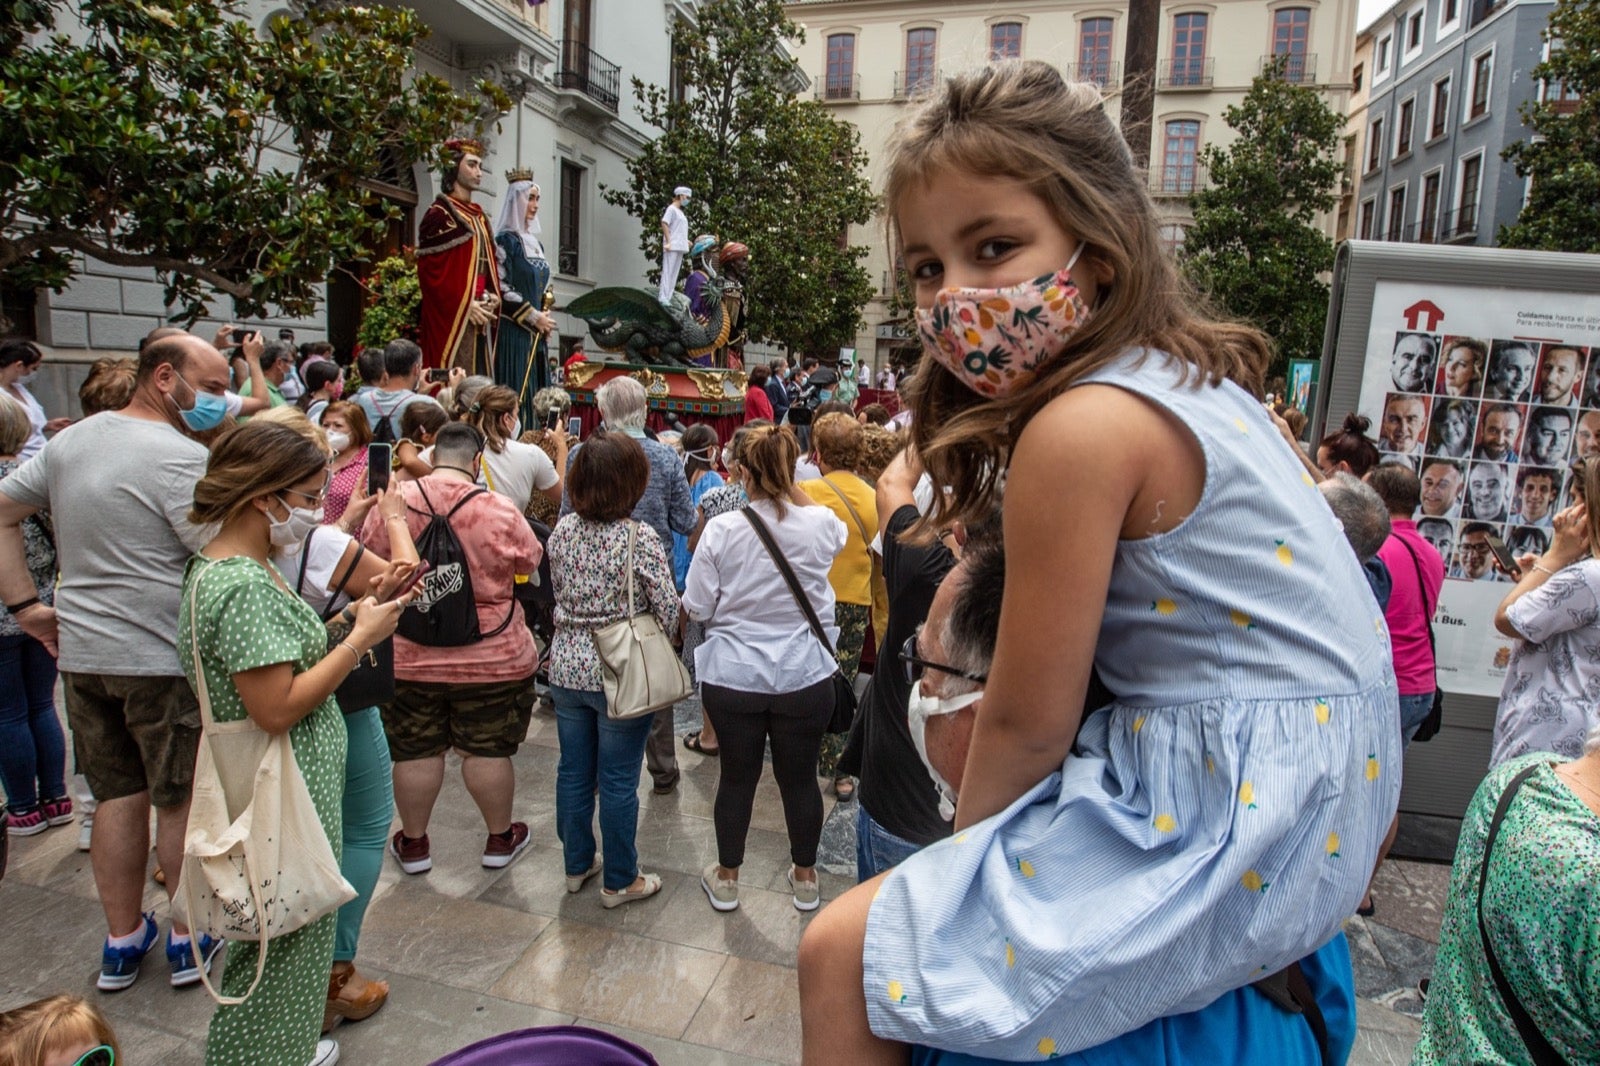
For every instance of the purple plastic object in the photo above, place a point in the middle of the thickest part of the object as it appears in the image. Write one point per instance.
(551, 1045)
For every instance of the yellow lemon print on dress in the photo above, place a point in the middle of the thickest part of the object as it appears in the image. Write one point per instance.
(1164, 606)
(1372, 767)
(1138, 723)
(962, 839)
(1165, 823)
(1211, 765)
(1285, 556)
(1025, 868)
(1247, 795)
(1324, 712)
(1305, 475)
(1238, 424)
(1332, 847)
(1047, 1048)
(1011, 954)
(1253, 882)
(1240, 619)
(897, 992)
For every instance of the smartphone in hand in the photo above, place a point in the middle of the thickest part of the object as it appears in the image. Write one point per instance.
(380, 467)
(438, 375)
(409, 583)
(575, 426)
(552, 419)
(1502, 555)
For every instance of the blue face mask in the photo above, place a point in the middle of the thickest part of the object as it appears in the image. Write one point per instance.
(208, 411)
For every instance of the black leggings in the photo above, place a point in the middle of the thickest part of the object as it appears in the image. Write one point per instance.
(745, 721)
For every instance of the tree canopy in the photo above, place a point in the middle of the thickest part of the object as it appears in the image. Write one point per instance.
(1255, 246)
(775, 172)
(174, 136)
(1563, 156)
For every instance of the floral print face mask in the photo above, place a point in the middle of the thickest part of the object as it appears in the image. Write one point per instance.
(997, 340)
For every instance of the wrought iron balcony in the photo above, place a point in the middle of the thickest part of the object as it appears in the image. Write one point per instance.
(1297, 67)
(586, 71)
(1459, 225)
(1181, 180)
(915, 82)
(1102, 72)
(838, 87)
(1191, 73)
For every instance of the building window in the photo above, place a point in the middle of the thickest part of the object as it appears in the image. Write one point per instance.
(1449, 14)
(1355, 78)
(1381, 52)
(1005, 40)
(1467, 194)
(1374, 145)
(571, 262)
(1189, 49)
(21, 306)
(840, 79)
(1439, 120)
(1094, 51)
(1414, 32)
(1180, 156)
(1369, 213)
(1482, 72)
(1403, 127)
(1427, 228)
(1291, 32)
(1397, 214)
(1172, 237)
(919, 59)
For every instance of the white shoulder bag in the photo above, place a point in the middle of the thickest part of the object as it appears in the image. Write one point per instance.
(639, 668)
(257, 863)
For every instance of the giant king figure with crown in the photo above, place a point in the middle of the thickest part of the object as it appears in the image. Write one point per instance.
(456, 268)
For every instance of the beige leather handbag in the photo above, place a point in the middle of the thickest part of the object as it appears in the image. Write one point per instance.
(639, 668)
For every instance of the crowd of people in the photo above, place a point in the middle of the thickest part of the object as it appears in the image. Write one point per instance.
(1131, 751)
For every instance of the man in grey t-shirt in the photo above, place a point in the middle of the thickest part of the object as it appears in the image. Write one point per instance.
(119, 487)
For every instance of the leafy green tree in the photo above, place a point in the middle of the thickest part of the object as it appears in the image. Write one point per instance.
(775, 172)
(171, 135)
(1255, 246)
(1563, 157)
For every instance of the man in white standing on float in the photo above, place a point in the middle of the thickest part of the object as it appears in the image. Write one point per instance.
(674, 242)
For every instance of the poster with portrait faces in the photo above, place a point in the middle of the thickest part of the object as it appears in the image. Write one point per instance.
(1490, 396)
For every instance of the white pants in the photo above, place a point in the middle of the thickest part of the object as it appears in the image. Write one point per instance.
(671, 263)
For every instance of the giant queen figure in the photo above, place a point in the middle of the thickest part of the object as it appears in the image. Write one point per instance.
(456, 268)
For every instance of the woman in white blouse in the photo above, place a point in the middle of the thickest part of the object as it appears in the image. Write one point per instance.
(764, 675)
(19, 361)
(513, 469)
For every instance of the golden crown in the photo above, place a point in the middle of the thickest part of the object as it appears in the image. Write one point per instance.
(519, 174)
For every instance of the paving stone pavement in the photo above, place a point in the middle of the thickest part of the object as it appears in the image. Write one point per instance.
(471, 952)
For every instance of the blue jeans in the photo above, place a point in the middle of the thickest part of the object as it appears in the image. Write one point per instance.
(598, 751)
(877, 849)
(368, 810)
(33, 753)
(1413, 710)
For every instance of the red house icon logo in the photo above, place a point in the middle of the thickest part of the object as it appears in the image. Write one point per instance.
(1424, 315)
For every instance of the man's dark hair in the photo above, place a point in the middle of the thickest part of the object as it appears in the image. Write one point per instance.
(1528, 473)
(608, 477)
(974, 624)
(400, 357)
(167, 350)
(1398, 487)
(810, 364)
(457, 441)
(369, 364)
(1545, 414)
(1476, 527)
(834, 407)
(272, 351)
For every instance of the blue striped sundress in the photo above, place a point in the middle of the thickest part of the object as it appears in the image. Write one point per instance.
(1215, 823)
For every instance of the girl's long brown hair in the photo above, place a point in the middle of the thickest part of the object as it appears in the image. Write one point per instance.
(1020, 120)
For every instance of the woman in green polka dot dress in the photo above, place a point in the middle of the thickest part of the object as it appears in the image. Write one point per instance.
(264, 486)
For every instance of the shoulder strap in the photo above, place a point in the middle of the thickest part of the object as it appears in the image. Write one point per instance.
(788, 575)
(339, 586)
(1539, 1048)
(305, 553)
(1422, 590)
(860, 525)
(627, 576)
(462, 502)
(202, 696)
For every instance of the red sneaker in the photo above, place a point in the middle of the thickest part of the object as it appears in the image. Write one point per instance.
(502, 849)
(412, 855)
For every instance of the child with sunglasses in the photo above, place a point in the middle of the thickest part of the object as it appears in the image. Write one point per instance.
(56, 1031)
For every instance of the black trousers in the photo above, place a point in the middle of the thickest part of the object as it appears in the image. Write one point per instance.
(794, 723)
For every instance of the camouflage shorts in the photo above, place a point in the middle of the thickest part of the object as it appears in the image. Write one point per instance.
(488, 720)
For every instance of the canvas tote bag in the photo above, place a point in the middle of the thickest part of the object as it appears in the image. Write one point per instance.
(639, 668)
(256, 861)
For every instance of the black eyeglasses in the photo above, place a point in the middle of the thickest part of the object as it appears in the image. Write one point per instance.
(914, 666)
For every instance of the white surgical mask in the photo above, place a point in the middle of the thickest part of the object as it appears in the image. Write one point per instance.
(918, 711)
(516, 429)
(286, 532)
(338, 441)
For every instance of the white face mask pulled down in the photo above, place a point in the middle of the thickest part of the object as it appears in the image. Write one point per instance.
(338, 441)
(918, 710)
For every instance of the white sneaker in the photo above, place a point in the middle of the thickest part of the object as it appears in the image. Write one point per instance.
(327, 1053)
(85, 832)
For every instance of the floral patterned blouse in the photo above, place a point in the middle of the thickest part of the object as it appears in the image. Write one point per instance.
(587, 561)
(41, 554)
